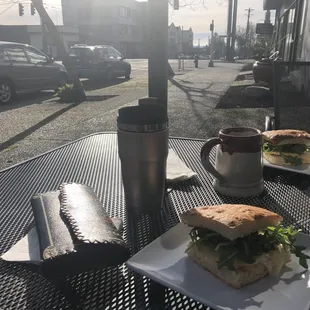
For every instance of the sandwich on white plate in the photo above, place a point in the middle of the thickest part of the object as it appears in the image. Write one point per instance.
(286, 147)
(240, 244)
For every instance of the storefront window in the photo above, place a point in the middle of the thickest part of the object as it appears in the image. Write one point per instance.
(302, 30)
(291, 31)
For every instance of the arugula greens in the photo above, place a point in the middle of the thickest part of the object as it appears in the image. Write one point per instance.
(293, 160)
(288, 148)
(298, 149)
(246, 249)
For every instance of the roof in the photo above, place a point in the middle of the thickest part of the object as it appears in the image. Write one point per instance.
(12, 43)
(88, 46)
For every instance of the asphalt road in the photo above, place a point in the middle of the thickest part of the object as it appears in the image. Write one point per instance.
(36, 123)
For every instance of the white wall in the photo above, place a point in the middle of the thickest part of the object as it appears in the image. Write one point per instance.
(36, 40)
(69, 35)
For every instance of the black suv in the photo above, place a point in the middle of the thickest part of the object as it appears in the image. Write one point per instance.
(98, 61)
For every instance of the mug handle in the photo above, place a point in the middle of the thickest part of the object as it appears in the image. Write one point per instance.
(205, 158)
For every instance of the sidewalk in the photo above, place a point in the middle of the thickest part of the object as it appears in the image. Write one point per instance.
(193, 99)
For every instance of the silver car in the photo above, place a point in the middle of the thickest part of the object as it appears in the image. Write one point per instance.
(25, 68)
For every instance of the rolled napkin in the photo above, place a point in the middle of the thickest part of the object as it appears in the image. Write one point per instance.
(75, 233)
(177, 169)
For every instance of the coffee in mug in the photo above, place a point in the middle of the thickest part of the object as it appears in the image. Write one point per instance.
(238, 169)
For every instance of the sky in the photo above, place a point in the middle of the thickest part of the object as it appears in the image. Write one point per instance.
(198, 17)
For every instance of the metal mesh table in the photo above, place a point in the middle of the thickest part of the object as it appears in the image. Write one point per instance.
(94, 161)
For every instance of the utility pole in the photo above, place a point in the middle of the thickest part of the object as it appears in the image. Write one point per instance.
(182, 51)
(44, 41)
(211, 45)
(158, 50)
(268, 17)
(249, 10)
(234, 29)
(229, 30)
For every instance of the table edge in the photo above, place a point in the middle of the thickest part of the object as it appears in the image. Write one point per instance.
(79, 139)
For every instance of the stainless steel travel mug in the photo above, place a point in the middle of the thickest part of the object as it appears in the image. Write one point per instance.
(143, 158)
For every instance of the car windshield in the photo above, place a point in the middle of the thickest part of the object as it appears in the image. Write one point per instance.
(81, 52)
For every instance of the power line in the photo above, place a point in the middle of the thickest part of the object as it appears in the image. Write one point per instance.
(7, 8)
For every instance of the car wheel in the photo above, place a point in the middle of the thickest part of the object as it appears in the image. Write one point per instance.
(127, 75)
(6, 92)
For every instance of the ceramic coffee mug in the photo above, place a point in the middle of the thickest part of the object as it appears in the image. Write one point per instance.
(238, 167)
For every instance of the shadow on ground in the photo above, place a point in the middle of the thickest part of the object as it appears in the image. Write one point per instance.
(235, 98)
(93, 84)
(25, 99)
(48, 119)
(288, 97)
(194, 92)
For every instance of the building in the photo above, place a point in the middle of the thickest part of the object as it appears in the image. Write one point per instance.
(117, 23)
(180, 41)
(292, 35)
(32, 35)
(291, 23)
(188, 41)
(174, 40)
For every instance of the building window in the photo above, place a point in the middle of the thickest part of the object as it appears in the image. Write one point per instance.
(124, 12)
(299, 51)
(123, 29)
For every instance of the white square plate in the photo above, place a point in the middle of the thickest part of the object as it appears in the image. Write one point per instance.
(305, 169)
(166, 262)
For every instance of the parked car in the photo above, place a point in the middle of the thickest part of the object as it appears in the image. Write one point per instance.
(25, 68)
(98, 61)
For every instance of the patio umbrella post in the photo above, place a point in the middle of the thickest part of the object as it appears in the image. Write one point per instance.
(158, 50)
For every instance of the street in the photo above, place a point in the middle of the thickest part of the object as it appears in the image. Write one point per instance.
(36, 123)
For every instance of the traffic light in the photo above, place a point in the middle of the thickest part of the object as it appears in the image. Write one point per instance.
(21, 9)
(33, 10)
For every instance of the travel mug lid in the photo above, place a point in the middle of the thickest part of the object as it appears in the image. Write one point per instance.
(144, 118)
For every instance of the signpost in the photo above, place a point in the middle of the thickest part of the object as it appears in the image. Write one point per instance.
(264, 28)
(211, 47)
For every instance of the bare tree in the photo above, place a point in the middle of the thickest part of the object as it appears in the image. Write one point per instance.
(47, 21)
(194, 4)
(245, 42)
